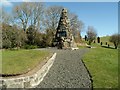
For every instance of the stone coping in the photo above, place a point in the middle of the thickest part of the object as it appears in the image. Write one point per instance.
(75, 48)
(30, 81)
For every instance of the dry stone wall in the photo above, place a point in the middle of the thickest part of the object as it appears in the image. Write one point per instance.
(64, 35)
(28, 81)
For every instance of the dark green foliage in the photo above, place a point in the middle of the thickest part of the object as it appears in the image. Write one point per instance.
(31, 39)
(106, 43)
(30, 46)
(101, 43)
(98, 39)
(12, 37)
(44, 41)
(49, 36)
(85, 37)
(31, 34)
(38, 39)
(41, 40)
(6, 43)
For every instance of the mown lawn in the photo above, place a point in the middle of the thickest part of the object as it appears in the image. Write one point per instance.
(102, 64)
(20, 61)
(106, 39)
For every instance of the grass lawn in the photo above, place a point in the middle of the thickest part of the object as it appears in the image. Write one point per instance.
(102, 64)
(106, 39)
(20, 61)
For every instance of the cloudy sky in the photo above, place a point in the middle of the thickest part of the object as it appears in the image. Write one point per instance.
(102, 15)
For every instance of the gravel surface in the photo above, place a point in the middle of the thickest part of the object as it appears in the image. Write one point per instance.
(68, 71)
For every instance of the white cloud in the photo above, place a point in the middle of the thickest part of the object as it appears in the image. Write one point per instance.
(6, 3)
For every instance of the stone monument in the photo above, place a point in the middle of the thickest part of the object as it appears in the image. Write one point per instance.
(63, 36)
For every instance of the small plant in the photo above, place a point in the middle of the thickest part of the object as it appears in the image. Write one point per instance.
(106, 43)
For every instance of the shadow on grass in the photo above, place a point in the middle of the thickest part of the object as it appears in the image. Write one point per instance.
(108, 47)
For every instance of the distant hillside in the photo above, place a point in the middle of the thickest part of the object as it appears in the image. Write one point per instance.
(105, 39)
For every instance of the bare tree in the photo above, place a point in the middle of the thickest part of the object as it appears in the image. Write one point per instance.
(37, 14)
(115, 39)
(76, 26)
(91, 34)
(29, 13)
(75, 23)
(23, 13)
(52, 16)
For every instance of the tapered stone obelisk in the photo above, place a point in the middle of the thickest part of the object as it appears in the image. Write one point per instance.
(63, 35)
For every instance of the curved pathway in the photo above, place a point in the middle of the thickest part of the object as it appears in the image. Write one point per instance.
(68, 71)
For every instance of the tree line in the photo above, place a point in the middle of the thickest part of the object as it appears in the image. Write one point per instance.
(34, 24)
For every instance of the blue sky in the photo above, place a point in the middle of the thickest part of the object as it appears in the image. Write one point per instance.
(102, 15)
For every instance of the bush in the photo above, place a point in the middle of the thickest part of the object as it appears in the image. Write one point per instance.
(48, 38)
(6, 44)
(106, 43)
(30, 46)
(98, 39)
(12, 37)
(36, 38)
(115, 39)
(31, 34)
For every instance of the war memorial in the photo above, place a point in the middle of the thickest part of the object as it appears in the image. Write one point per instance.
(63, 37)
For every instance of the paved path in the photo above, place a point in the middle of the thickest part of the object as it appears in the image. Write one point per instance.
(68, 71)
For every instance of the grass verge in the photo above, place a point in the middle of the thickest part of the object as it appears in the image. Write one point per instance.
(102, 64)
(21, 61)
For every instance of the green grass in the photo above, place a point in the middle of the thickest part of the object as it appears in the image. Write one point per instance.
(105, 39)
(82, 47)
(20, 61)
(102, 64)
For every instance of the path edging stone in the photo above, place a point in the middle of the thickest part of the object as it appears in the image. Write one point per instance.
(90, 76)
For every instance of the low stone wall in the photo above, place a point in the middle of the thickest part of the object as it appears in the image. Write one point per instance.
(28, 81)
